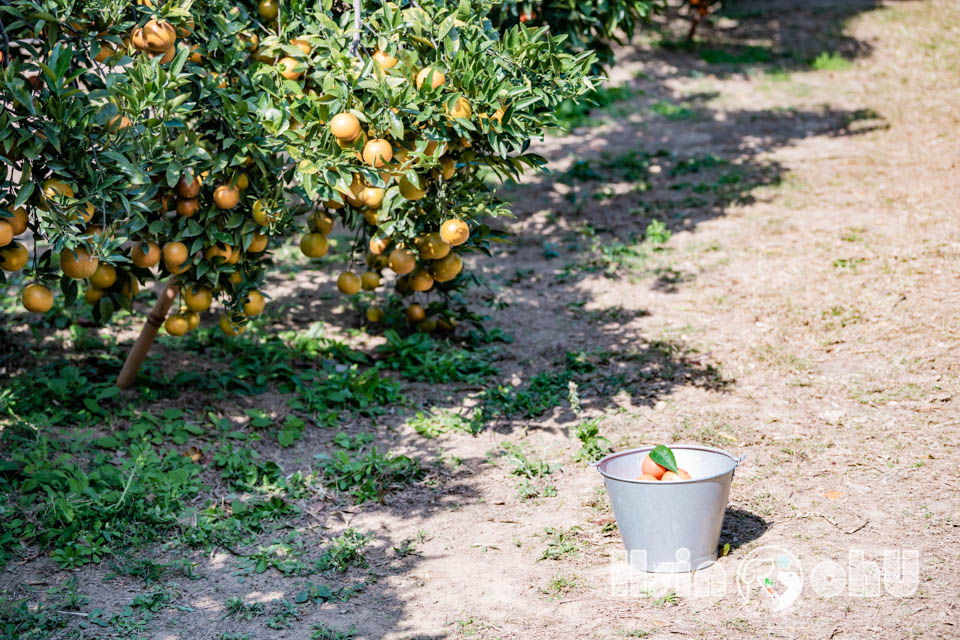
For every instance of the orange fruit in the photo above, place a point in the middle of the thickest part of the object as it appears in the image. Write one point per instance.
(174, 254)
(193, 320)
(402, 261)
(377, 153)
(92, 294)
(261, 215)
(145, 254)
(446, 269)
(137, 39)
(302, 44)
(670, 476)
(348, 282)
(454, 232)
(168, 55)
(252, 40)
(322, 222)
(421, 280)
(242, 182)
(104, 52)
(131, 287)
(371, 197)
(230, 327)
(197, 298)
(432, 246)
(104, 276)
(448, 166)
(648, 478)
(258, 243)
(6, 232)
(268, 9)
(177, 325)
(226, 197)
(410, 191)
(37, 298)
(374, 314)
(53, 188)
(461, 109)
(18, 221)
(159, 36)
(427, 326)
(649, 467)
(369, 280)
(13, 257)
(378, 245)
(314, 245)
(187, 188)
(288, 68)
(254, 303)
(345, 126)
(370, 215)
(415, 313)
(218, 254)
(235, 278)
(78, 263)
(436, 77)
(186, 207)
(384, 60)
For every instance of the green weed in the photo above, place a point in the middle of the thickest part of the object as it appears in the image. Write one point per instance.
(672, 111)
(420, 357)
(560, 543)
(830, 61)
(440, 421)
(370, 475)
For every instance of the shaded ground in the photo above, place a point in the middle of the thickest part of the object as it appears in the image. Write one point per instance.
(803, 310)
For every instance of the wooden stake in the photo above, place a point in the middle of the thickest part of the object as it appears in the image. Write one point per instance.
(167, 292)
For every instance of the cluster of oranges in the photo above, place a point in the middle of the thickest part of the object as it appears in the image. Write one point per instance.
(653, 472)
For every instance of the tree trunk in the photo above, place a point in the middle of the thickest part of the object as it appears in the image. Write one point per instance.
(168, 291)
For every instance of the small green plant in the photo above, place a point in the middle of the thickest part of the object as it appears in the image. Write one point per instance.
(440, 421)
(323, 632)
(656, 233)
(830, 61)
(560, 586)
(286, 613)
(420, 357)
(672, 111)
(344, 551)
(594, 446)
(368, 475)
(670, 598)
(560, 543)
(238, 608)
(408, 546)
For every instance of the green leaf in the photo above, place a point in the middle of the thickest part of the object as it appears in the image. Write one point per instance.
(663, 456)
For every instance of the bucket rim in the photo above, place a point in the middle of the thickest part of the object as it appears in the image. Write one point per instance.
(695, 447)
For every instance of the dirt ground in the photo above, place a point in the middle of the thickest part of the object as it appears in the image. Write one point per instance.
(809, 301)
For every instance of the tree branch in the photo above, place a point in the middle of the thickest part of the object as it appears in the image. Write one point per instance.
(356, 28)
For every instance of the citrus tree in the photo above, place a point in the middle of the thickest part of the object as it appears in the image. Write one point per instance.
(187, 140)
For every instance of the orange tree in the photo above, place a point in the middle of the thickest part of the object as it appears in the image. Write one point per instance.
(188, 139)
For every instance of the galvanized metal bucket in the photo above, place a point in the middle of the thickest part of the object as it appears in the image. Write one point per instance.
(670, 527)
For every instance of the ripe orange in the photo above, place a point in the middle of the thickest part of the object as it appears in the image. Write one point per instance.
(242, 181)
(446, 269)
(345, 126)
(193, 320)
(436, 77)
(374, 314)
(260, 214)
(448, 166)
(314, 245)
(218, 253)
(415, 313)
(104, 276)
(174, 254)
(159, 36)
(6, 232)
(649, 467)
(371, 197)
(137, 39)
(254, 303)
(348, 282)
(402, 261)
(197, 298)
(18, 221)
(226, 197)
(670, 476)
(385, 60)
(322, 222)
(410, 191)
(421, 280)
(92, 294)
(53, 188)
(648, 478)
(288, 68)
(257, 244)
(268, 9)
(302, 44)
(235, 278)
(130, 288)
(454, 232)
(105, 51)
(118, 123)
(333, 204)
(78, 263)
(177, 325)
(461, 109)
(377, 153)
(369, 280)
(187, 188)
(427, 326)
(37, 298)
(251, 39)
(370, 215)
(230, 327)
(378, 245)
(432, 246)
(186, 207)
(145, 254)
